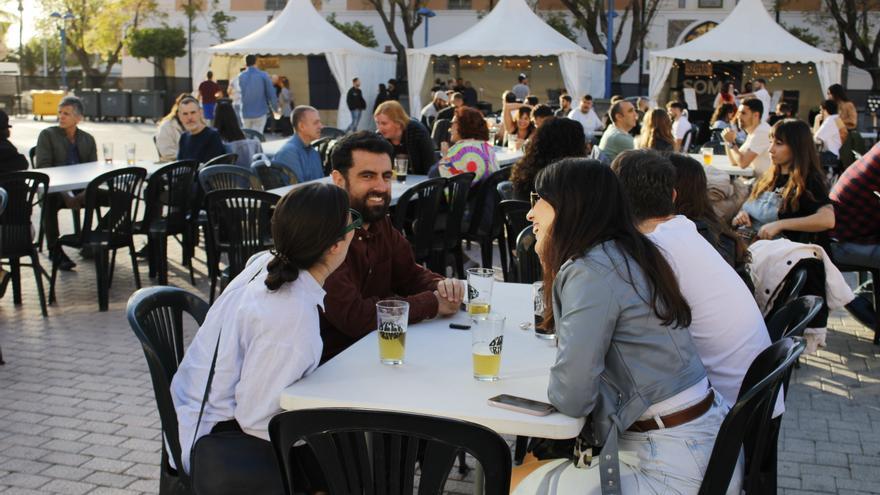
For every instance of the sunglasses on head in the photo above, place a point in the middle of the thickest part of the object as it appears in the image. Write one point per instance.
(357, 221)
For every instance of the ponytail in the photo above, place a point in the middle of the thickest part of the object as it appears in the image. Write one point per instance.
(281, 271)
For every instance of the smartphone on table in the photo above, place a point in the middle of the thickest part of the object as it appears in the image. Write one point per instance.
(521, 404)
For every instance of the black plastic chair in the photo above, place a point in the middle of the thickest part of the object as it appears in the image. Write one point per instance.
(107, 226)
(440, 132)
(4, 198)
(792, 318)
(324, 146)
(167, 205)
(364, 451)
(273, 175)
(221, 177)
(155, 315)
(416, 214)
(252, 134)
(332, 132)
(505, 190)
(528, 265)
(485, 226)
(788, 290)
(227, 159)
(448, 228)
(875, 278)
(688, 140)
(240, 223)
(749, 425)
(513, 218)
(24, 192)
(32, 156)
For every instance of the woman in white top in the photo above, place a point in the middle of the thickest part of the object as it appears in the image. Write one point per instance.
(266, 321)
(168, 135)
(829, 128)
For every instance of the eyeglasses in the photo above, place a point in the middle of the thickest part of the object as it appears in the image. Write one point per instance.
(357, 221)
(534, 198)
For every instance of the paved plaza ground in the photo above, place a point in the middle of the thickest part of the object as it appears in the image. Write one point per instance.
(77, 413)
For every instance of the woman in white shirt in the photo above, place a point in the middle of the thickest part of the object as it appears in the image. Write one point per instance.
(265, 324)
(167, 137)
(829, 129)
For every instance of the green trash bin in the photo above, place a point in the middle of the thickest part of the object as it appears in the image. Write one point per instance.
(148, 104)
(91, 99)
(116, 104)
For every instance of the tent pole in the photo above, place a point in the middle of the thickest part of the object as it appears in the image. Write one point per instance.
(610, 49)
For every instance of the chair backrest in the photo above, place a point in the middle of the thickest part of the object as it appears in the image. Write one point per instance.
(440, 131)
(227, 159)
(528, 265)
(687, 140)
(416, 214)
(222, 177)
(456, 198)
(111, 201)
(505, 190)
(273, 174)
(332, 132)
(32, 156)
(169, 194)
(792, 319)
(483, 217)
(789, 289)
(155, 315)
(252, 134)
(242, 219)
(748, 425)
(513, 218)
(4, 198)
(386, 464)
(24, 192)
(324, 146)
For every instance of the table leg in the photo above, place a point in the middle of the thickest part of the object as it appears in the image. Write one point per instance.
(478, 479)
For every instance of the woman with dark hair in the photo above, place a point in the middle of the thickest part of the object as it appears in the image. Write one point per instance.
(845, 108)
(471, 151)
(522, 128)
(692, 200)
(722, 117)
(264, 328)
(625, 357)
(557, 139)
(382, 96)
(234, 140)
(656, 133)
(791, 198)
(727, 95)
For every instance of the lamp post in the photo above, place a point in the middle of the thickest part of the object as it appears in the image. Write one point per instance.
(20, 53)
(64, 18)
(609, 63)
(427, 14)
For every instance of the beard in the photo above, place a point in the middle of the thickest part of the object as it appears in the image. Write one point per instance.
(374, 213)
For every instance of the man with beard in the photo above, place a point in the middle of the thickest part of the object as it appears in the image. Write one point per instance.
(380, 262)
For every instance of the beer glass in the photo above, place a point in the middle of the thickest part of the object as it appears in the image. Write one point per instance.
(538, 303)
(401, 164)
(130, 152)
(480, 283)
(707, 155)
(108, 153)
(487, 339)
(392, 317)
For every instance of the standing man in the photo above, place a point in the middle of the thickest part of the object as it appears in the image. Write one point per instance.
(755, 151)
(617, 138)
(393, 92)
(587, 117)
(680, 124)
(356, 104)
(759, 91)
(564, 106)
(257, 95)
(297, 154)
(64, 144)
(380, 261)
(470, 95)
(208, 96)
(199, 142)
(521, 89)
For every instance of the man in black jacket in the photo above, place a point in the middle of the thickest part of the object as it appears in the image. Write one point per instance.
(356, 104)
(10, 159)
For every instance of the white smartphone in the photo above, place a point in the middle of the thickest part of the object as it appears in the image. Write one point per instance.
(523, 405)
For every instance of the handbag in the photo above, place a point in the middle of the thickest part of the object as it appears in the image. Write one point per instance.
(763, 209)
(232, 461)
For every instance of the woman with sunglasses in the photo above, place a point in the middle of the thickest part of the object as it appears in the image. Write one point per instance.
(625, 358)
(264, 326)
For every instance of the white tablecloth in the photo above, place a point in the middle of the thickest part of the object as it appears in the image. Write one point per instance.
(722, 162)
(72, 177)
(397, 188)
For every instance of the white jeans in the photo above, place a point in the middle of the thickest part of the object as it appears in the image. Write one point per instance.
(671, 460)
(258, 124)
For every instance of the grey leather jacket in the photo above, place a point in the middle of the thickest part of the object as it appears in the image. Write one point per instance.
(615, 358)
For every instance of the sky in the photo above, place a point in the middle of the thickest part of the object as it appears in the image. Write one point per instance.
(31, 11)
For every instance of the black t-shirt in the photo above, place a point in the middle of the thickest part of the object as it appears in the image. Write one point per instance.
(815, 197)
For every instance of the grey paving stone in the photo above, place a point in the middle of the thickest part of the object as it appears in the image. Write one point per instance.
(108, 465)
(110, 479)
(24, 480)
(67, 487)
(64, 459)
(66, 472)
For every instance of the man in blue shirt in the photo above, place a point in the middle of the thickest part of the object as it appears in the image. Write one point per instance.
(257, 95)
(297, 154)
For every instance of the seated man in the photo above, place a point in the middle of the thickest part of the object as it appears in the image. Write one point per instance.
(200, 142)
(617, 138)
(727, 326)
(63, 144)
(857, 213)
(380, 262)
(297, 154)
(755, 151)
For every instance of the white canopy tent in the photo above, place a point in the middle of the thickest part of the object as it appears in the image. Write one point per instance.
(528, 35)
(300, 30)
(747, 35)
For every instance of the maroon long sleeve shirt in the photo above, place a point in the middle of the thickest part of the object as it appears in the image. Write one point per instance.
(379, 265)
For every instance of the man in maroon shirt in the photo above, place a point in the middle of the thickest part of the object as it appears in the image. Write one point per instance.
(208, 96)
(857, 212)
(380, 262)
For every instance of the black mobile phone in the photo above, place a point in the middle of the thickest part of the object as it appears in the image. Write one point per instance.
(459, 326)
(521, 404)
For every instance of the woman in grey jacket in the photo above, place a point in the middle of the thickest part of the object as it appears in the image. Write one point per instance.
(625, 358)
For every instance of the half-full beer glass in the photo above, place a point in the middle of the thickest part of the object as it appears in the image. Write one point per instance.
(487, 339)
(392, 317)
(480, 283)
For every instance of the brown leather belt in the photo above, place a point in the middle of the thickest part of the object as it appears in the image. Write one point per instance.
(676, 418)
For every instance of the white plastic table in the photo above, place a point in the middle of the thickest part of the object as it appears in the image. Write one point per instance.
(397, 188)
(72, 177)
(436, 377)
(722, 162)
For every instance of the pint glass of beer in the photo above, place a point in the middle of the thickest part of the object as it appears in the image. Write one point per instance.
(480, 283)
(401, 165)
(392, 317)
(487, 339)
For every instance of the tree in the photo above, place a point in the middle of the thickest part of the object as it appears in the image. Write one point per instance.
(557, 21)
(98, 28)
(32, 60)
(220, 22)
(591, 16)
(389, 11)
(803, 34)
(356, 30)
(157, 44)
(858, 33)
